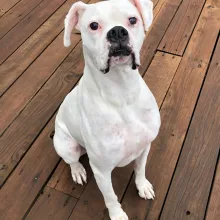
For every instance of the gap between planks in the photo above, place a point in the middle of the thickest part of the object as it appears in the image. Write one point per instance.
(9, 4)
(213, 207)
(16, 14)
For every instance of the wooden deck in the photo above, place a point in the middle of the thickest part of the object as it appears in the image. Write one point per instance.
(181, 65)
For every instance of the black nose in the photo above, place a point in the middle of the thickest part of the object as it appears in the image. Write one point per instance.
(117, 33)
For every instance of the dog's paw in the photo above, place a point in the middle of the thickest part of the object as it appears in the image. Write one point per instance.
(78, 173)
(145, 189)
(121, 216)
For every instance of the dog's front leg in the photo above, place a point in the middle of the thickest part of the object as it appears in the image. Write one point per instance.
(144, 187)
(104, 182)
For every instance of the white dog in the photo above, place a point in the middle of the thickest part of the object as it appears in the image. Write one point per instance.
(111, 115)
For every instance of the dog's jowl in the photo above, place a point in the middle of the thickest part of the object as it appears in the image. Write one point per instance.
(111, 115)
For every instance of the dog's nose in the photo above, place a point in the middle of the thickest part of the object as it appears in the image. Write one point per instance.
(117, 33)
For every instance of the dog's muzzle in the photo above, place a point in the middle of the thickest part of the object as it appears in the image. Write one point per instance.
(119, 40)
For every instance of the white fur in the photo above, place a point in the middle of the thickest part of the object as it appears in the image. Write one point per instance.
(145, 7)
(113, 117)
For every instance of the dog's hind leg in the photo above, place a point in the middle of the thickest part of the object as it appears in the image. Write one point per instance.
(144, 187)
(70, 151)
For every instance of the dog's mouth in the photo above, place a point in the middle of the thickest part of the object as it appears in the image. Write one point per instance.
(120, 56)
(120, 52)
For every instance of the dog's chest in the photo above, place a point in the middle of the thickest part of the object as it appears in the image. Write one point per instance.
(124, 134)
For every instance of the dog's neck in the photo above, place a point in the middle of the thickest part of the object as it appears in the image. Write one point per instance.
(120, 86)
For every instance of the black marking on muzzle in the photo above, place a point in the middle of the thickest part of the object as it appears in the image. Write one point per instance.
(108, 67)
(134, 64)
(120, 51)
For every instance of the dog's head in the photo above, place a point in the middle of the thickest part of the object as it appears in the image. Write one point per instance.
(112, 31)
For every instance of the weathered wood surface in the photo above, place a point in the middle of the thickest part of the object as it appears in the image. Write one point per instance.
(16, 14)
(63, 182)
(52, 204)
(189, 191)
(36, 73)
(17, 35)
(179, 31)
(17, 139)
(213, 211)
(6, 5)
(20, 60)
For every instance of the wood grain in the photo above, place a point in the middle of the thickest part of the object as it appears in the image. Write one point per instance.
(16, 14)
(164, 9)
(55, 178)
(87, 208)
(188, 194)
(40, 71)
(176, 113)
(27, 180)
(16, 36)
(16, 64)
(18, 138)
(28, 158)
(177, 35)
(52, 204)
(63, 182)
(155, 2)
(6, 5)
(160, 74)
(213, 211)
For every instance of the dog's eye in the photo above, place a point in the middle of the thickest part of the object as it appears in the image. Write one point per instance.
(133, 20)
(94, 26)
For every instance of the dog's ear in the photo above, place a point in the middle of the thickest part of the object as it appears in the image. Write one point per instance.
(71, 21)
(145, 7)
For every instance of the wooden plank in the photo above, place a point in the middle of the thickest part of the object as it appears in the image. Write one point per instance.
(155, 2)
(196, 166)
(176, 113)
(213, 211)
(52, 204)
(160, 74)
(15, 65)
(22, 91)
(87, 208)
(177, 35)
(17, 139)
(6, 5)
(164, 9)
(63, 182)
(54, 180)
(26, 27)
(16, 14)
(27, 180)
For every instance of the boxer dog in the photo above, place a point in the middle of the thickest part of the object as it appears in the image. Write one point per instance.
(111, 115)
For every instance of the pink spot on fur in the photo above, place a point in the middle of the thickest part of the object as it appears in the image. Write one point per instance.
(75, 147)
